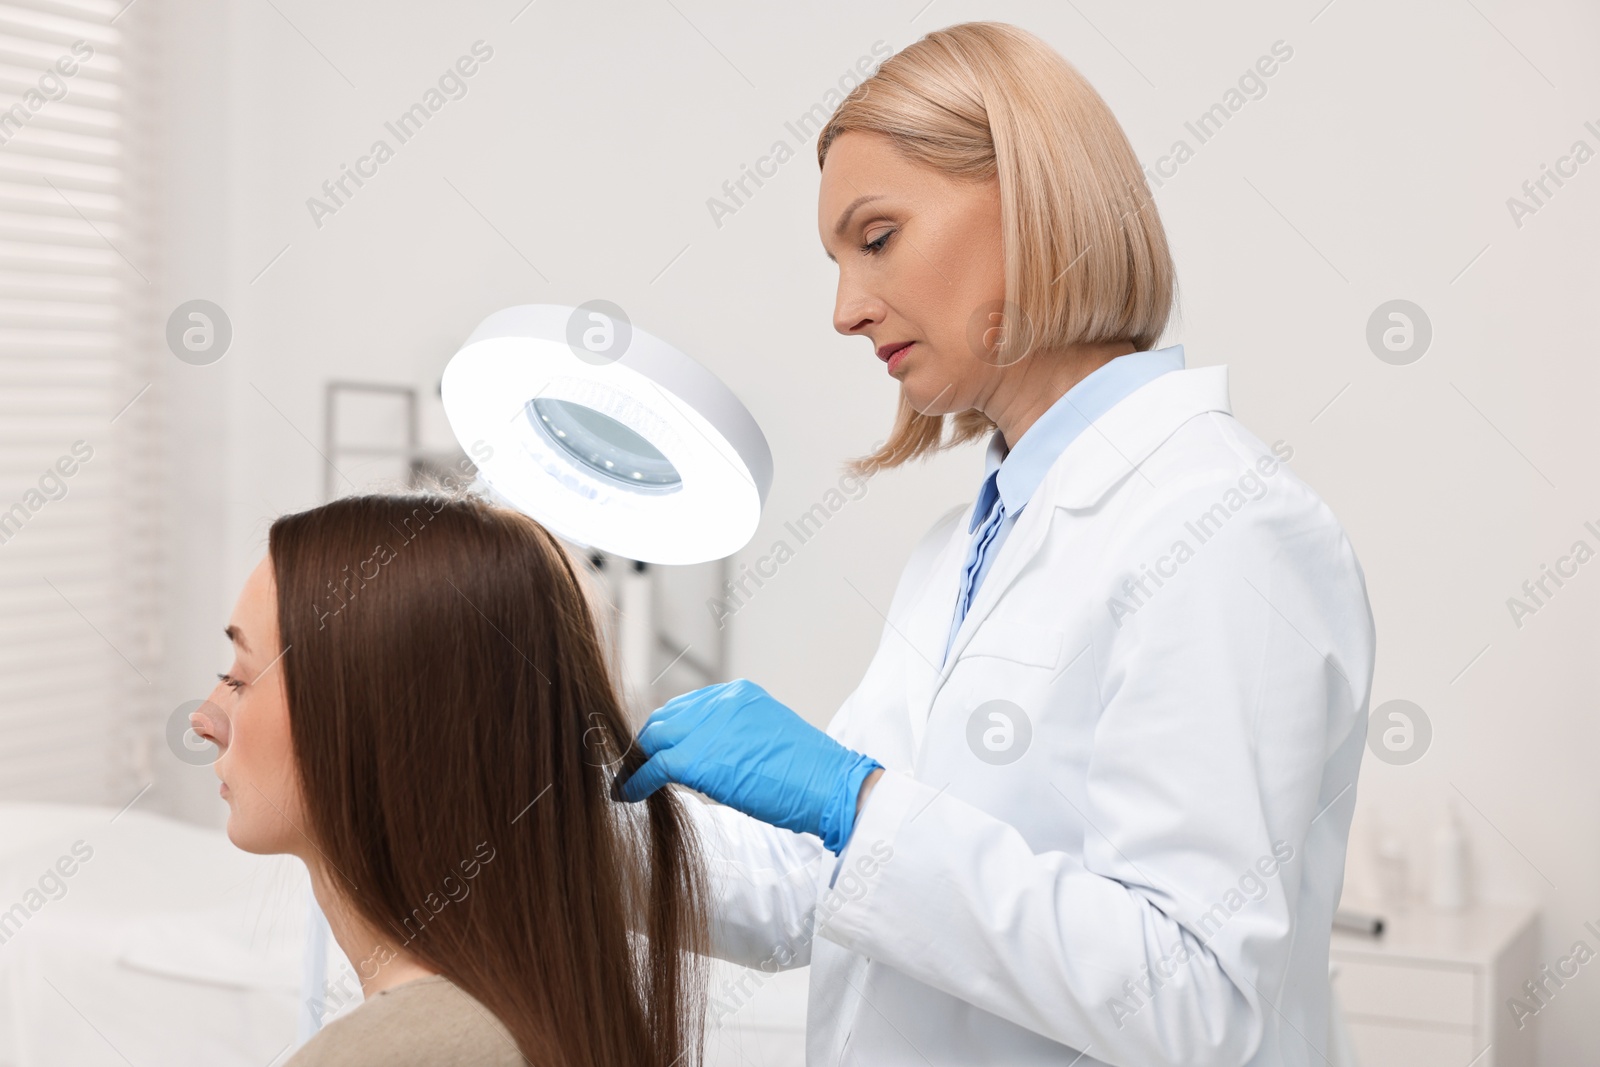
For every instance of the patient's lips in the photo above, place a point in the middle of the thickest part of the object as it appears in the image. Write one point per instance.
(211, 723)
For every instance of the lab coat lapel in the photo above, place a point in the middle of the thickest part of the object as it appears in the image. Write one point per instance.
(926, 627)
(1020, 546)
(1099, 458)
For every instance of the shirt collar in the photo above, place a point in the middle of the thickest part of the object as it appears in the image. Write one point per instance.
(1012, 476)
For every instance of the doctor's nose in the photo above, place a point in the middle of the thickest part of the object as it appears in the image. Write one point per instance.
(854, 313)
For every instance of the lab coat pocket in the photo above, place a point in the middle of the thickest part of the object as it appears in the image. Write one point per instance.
(1035, 646)
(996, 701)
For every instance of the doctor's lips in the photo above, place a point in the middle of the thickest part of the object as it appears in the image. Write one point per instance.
(893, 353)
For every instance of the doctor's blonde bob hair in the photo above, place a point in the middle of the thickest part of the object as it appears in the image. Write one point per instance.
(1086, 259)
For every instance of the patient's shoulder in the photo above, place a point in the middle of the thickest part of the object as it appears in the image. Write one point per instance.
(429, 1021)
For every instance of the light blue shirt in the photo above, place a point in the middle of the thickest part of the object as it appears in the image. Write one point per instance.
(1013, 475)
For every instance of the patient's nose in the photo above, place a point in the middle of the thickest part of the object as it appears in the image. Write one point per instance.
(211, 723)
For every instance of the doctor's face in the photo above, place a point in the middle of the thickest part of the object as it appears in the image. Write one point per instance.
(919, 258)
(247, 717)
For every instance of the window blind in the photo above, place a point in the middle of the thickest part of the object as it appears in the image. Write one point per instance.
(79, 500)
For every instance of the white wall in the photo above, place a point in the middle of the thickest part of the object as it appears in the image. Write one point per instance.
(1376, 166)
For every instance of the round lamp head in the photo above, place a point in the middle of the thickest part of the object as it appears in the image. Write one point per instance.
(607, 435)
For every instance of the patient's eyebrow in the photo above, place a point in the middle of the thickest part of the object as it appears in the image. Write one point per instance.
(236, 636)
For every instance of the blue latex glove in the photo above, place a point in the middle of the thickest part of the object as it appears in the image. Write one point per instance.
(740, 747)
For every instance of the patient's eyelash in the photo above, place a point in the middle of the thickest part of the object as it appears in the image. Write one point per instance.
(230, 681)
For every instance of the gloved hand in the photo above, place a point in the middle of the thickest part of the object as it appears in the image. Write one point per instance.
(736, 744)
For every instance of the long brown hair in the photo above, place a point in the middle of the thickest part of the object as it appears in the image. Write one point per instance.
(456, 729)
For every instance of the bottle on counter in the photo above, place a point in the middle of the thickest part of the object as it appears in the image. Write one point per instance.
(1449, 890)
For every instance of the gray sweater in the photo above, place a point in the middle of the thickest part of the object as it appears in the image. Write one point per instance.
(426, 1022)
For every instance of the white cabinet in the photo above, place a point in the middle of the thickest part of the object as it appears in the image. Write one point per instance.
(1432, 990)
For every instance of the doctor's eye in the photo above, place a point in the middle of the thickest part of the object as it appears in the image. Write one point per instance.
(873, 247)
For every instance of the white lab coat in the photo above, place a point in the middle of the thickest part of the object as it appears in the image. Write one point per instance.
(1152, 879)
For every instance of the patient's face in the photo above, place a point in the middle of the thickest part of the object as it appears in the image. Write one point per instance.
(257, 762)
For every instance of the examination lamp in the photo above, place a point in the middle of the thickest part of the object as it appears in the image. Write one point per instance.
(609, 436)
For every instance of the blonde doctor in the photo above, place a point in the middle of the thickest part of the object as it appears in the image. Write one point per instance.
(1089, 804)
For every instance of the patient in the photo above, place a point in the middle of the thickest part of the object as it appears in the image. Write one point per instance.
(420, 709)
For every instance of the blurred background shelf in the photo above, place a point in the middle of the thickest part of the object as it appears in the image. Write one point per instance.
(1432, 990)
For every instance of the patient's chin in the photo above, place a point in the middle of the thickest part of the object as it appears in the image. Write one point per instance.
(241, 837)
(262, 835)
